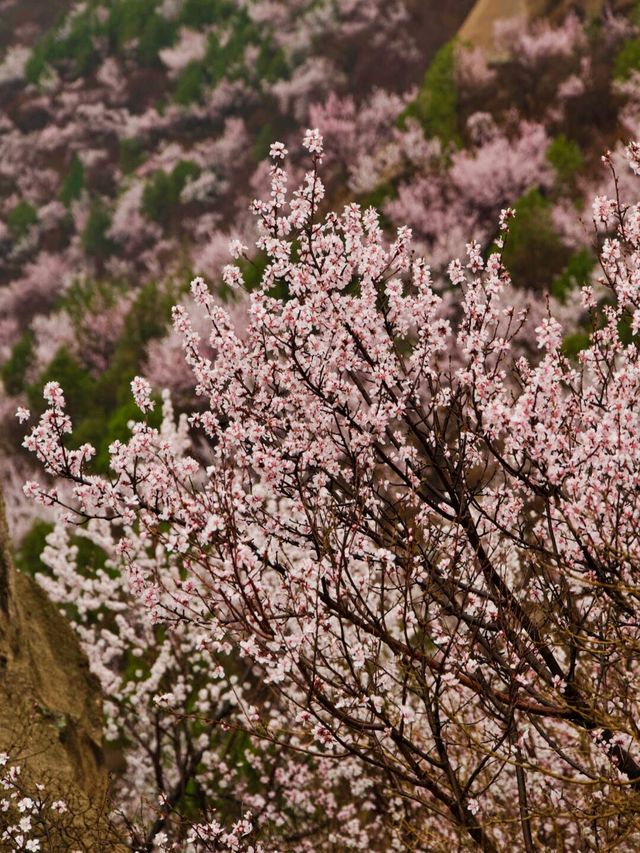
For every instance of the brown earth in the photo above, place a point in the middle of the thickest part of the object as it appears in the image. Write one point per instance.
(24, 21)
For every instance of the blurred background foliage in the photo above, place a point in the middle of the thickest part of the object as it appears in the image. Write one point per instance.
(136, 131)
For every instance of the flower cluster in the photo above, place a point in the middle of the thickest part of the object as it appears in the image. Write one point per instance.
(409, 554)
(31, 821)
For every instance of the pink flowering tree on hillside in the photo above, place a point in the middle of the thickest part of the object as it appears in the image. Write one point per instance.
(424, 545)
(178, 713)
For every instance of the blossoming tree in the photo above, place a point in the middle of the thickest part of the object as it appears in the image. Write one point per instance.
(423, 545)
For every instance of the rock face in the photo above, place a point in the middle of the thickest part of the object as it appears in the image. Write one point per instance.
(50, 708)
(477, 29)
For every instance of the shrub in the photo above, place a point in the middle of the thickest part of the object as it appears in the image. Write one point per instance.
(127, 20)
(436, 104)
(157, 33)
(21, 218)
(130, 154)
(28, 554)
(190, 83)
(78, 47)
(78, 382)
(534, 253)
(74, 181)
(162, 191)
(95, 241)
(37, 62)
(201, 13)
(15, 368)
(71, 45)
(575, 274)
(566, 158)
(627, 60)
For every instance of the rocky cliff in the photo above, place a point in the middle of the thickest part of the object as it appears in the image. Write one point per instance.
(50, 709)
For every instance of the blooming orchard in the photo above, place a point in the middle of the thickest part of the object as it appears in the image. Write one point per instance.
(399, 556)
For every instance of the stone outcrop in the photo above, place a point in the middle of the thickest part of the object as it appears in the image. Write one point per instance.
(50, 707)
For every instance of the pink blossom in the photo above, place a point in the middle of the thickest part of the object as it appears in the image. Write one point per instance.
(313, 141)
(142, 394)
(277, 151)
(53, 395)
(190, 47)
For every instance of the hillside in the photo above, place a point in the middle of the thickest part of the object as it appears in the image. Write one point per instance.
(134, 135)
